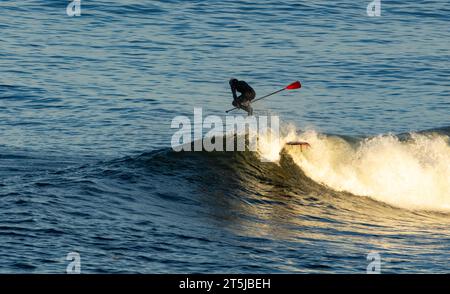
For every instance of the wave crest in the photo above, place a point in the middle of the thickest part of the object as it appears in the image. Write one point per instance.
(411, 172)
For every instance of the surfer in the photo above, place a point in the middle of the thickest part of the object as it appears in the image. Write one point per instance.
(242, 101)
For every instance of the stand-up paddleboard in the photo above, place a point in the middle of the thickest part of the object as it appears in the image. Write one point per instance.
(298, 143)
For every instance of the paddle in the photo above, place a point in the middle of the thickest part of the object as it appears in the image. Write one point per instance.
(293, 86)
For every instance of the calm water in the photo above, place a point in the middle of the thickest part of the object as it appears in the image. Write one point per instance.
(86, 105)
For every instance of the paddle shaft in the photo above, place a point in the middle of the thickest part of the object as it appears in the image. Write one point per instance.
(260, 98)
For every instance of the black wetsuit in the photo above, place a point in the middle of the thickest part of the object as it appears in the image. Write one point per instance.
(247, 95)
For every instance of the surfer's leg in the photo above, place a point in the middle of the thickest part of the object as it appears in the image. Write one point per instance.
(251, 95)
(245, 105)
(241, 99)
(238, 101)
(247, 101)
(250, 110)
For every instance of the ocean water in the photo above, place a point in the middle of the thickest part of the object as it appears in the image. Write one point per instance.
(86, 164)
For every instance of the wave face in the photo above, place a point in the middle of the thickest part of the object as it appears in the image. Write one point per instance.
(167, 211)
(409, 171)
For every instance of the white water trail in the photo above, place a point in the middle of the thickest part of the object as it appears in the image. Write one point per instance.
(411, 174)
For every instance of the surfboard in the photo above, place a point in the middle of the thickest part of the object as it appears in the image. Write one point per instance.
(298, 143)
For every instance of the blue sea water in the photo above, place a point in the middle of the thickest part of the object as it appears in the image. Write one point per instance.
(86, 105)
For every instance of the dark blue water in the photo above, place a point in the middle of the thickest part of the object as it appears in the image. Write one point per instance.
(86, 166)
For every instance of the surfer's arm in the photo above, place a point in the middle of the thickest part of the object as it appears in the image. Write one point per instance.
(233, 90)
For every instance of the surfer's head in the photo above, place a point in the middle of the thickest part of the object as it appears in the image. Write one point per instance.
(233, 82)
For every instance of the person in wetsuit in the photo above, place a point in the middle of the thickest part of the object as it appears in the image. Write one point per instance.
(247, 95)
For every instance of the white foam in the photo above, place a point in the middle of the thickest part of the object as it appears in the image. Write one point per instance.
(413, 174)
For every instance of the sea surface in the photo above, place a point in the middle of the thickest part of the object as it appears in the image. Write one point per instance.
(87, 166)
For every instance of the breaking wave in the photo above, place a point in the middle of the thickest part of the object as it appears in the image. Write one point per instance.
(410, 171)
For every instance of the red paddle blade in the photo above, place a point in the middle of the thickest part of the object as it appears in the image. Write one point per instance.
(294, 85)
